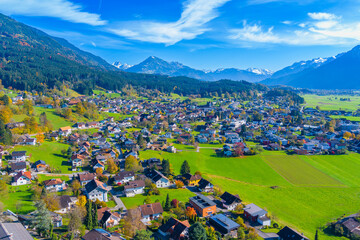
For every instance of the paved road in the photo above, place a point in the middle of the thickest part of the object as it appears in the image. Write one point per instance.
(119, 204)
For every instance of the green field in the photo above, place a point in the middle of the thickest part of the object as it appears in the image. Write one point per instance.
(50, 152)
(350, 118)
(332, 102)
(310, 190)
(21, 196)
(182, 195)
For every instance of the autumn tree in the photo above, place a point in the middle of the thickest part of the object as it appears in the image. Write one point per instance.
(132, 164)
(190, 212)
(99, 171)
(75, 185)
(5, 114)
(28, 107)
(40, 138)
(112, 167)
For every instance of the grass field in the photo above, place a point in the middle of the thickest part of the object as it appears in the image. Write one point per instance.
(311, 190)
(44, 177)
(350, 118)
(182, 195)
(332, 102)
(50, 152)
(18, 195)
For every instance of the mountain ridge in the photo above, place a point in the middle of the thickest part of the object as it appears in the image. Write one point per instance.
(155, 65)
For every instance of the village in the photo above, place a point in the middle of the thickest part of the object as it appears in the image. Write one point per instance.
(105, 168)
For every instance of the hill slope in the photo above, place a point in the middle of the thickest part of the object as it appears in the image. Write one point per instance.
(340, 72)
(154, 65)
(32, 60)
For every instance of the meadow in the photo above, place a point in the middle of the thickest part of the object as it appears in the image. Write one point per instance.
(332, 102)
(181, 195)
(304, 192)
(50, 152)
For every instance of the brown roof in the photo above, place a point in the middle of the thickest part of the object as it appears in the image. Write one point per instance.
(65, 128)
(87, 176)
(151, 209)
(101, 212)
(51, 182)
(135, 184)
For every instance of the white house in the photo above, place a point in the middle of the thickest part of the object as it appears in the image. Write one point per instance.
(96, 190)
(134, 187)
(22, 178)
(150, 212)
(124, 177)
(158, 178)
(54, 185)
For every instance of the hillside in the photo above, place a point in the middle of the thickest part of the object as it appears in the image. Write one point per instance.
(33, 60)
(340, 72)
(155, 65)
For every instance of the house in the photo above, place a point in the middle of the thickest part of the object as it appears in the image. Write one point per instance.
(256, 214)
(224, 225)
(150, 212)
(108, 219)
(96, 190)
(158, 178)
(124, 177)
(22, 178)
(134, 187)
(30, 141)
(171, 149)
(65, 131)
(54, 185)
(14, 231)
(102, 234)
(97, 164)
(66, 203)
(230, 201)
(173, 229)
(77, 160)
(18, 156)
(17, 167)
(290, 234)
(39, 166)
(205, 186)
(203, 205)
(85, 178)
(191, 180)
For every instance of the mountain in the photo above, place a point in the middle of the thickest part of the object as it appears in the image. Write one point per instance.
(33, 60)
(340, 72)
(121, 66)
(155, 65)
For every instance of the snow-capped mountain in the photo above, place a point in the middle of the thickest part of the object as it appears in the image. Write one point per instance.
(121, 66)
(154, 65)
(302, 65)
(339, 72)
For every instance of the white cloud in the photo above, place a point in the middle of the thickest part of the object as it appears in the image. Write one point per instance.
(325, 24)
(196, 14)
(350, 31)
(322, 16)
(62, 9)
(286, 22)
(254, 33)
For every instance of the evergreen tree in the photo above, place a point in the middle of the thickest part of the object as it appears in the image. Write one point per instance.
(316, 235)
(95, 216)
(141, 141)
(42, 218)
(143, 235)
(185, 168)
(197, 232)
(167, 203)
(165, 167)
(88, 218)
(5, 134)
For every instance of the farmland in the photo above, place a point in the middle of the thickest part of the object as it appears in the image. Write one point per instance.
(304, 192)
(332, 102)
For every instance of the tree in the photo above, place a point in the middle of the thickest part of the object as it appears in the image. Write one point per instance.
(132, 164)
(197, 232)
(3, 188)
(42, 218)
(179, 184)
(141, 141)
(147, 200)
(5, 134)
(190, 212)
(112, 167)
(165, 167)
(80, 108)
(40, 138)
(185, 168)
(75, 221)
(347, 135)
(143, 235)
(167, 203)
(88, 219)
(99, 171)
(5, 114)
(75, 185)
(28, 107)
(316, 235)
(241, 233)
(81, 201)
(95, 216)
(175, 203)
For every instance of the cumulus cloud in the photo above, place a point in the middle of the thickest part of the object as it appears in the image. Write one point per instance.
(254, 33)
(62, 9)
(196, 14)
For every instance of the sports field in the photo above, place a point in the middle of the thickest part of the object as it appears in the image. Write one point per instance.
(304, 192)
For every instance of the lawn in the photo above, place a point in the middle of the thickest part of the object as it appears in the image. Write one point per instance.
(21, 196)
(332, 102)
(50, 152)
(44, 177)
(350, 118)
(310, 190)
(182, 195)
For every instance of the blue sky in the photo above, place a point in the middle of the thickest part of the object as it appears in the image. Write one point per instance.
(204, 34)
